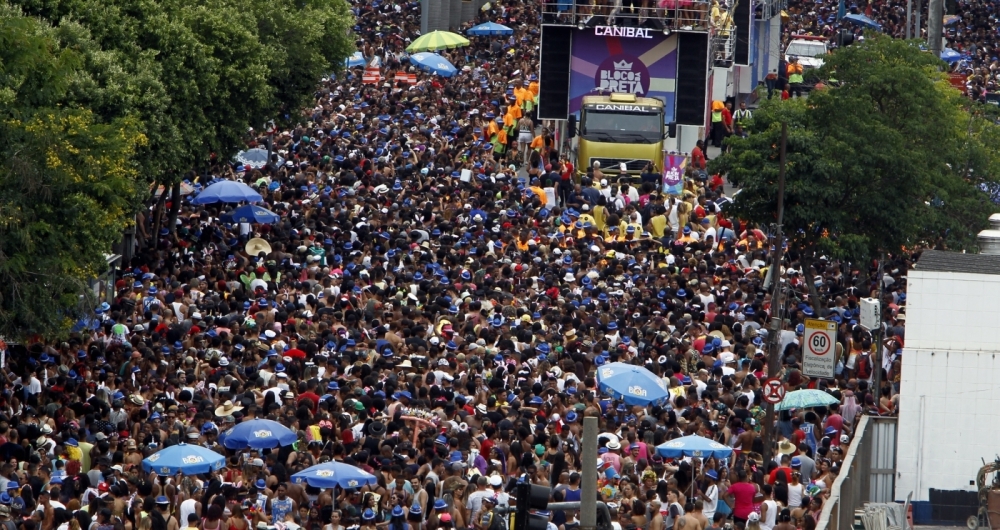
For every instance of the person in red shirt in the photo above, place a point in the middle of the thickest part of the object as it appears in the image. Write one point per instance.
(698, 156)
(727, 118)
(741, 494)
(309, 395)
(785, 468)
(835, 420)
(785, 93)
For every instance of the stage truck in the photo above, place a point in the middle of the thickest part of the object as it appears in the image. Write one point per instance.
(620, 129)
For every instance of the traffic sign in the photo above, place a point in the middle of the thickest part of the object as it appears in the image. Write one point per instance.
(774, 391)
(819, 358)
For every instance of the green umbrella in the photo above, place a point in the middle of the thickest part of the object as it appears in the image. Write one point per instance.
(437, 40)
(804, 399)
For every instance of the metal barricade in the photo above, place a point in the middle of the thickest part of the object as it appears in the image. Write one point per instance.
(615, 17)
(867, 473)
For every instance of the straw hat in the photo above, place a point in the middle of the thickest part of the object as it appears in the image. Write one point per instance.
(786, 447)
(227, 408)
(257, 245)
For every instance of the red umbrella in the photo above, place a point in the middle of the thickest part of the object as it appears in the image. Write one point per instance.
(296, 353)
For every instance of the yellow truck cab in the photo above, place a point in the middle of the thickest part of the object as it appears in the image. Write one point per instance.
(620, 129)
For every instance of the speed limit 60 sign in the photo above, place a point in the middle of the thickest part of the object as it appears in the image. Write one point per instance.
(819, 348)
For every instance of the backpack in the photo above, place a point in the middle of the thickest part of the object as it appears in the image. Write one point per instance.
(863, 369)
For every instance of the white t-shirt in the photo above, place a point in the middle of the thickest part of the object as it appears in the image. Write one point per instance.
(475, 502)
(711, 505)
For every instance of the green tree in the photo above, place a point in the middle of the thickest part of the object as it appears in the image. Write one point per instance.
(67, 183)
(879, 163)
(198, 75)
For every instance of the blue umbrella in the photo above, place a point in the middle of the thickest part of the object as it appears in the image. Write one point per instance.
(693, 446)
(433, 63)
(489, 28)
(356, 59)
(333, 474)
(632, 384)
(250, 214)
(862, 20)
(950, 56)
(258, 434)
(227, 191)
(255, 158)
(183, 458)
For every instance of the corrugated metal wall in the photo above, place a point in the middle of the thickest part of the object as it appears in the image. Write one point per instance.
(882, 434)
(447, 15)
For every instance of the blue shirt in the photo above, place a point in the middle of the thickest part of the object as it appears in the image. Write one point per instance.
(279, 509)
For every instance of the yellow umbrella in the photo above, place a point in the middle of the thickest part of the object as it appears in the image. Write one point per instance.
(437, 40)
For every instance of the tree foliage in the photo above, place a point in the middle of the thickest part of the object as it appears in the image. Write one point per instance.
(889, 158)
(68, 184)
(101, 98)
(197, 74)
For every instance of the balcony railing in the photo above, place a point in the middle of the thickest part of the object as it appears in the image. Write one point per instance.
(768, 9)
(723, 45)
(629, 18)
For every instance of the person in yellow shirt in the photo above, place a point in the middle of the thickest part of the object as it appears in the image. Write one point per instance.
(586, 217)
(601, 214)
(537, 189)
(527, 99)
(659, 224)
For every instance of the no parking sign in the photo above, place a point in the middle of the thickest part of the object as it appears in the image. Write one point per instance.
(819, 348)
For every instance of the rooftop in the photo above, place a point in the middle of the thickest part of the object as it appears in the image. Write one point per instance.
(944, 261)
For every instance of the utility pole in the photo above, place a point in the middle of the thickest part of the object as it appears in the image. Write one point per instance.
(935, 20)
(909, 18)
(588, 483)
(777, 305)
(879, 335)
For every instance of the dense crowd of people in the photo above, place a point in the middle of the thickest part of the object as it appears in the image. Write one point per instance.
(970, 34)
(432, 310)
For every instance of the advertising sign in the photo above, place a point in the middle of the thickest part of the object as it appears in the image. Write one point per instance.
(673, 174)
(641, 63)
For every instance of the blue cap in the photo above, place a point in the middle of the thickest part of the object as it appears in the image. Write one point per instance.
(397, 511)
(13, 485)
(712, 474)
(796, 461)
(440, 504)
(162, 499)
(369, 515)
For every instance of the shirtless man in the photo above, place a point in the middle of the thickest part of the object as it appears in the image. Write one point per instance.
(698, 515)
(688, 521)
(132, 455)
(745, 440)
(656, 523)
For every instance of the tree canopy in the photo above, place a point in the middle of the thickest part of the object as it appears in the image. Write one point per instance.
(889, 157)
(102, 98)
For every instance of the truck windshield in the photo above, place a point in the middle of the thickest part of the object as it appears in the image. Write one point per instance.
(621, 127)
(806, 49)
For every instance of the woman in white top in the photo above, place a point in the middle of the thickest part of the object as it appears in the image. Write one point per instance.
(768, 509)
(796, 490)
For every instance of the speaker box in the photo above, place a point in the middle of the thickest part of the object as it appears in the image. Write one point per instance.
(743, 18)
(692, 76)
(554, 71)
